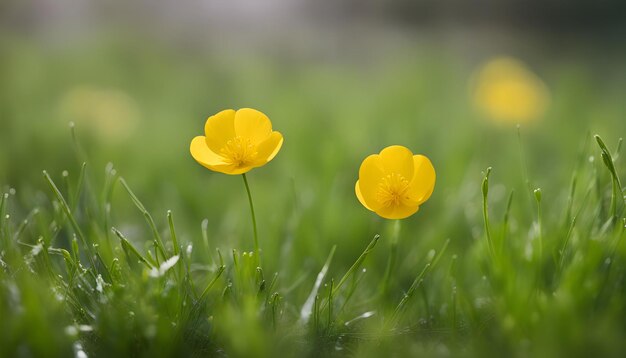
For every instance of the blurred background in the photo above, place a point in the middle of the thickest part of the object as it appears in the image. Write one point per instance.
(340, 79)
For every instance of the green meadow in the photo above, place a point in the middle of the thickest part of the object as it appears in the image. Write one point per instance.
(115, 242)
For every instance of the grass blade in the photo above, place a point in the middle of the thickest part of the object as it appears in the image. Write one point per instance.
(70, 216)
(129, 247)
(307, 308)
(148, 217)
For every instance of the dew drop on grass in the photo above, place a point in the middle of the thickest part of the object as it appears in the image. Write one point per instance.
(78, 351)
(100, 284)
(339, 343)
(360, 317)
(165, 266)
(57, 294)
(85, 328)
(36, 249)
(71, 331)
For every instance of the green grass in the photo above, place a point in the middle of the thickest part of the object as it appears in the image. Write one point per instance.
(153, 255)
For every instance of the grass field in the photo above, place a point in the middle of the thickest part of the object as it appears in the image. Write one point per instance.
(115, 242)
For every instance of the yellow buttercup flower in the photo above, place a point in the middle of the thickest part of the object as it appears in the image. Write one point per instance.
(236, 141)
(394, 183)
(507, 91)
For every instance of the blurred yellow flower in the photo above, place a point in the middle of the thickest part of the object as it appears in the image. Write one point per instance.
(109, 114)
(236, 141)
(507, 91)
(394, 183)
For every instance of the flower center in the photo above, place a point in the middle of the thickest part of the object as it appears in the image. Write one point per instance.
(392, 190)
(239, 151)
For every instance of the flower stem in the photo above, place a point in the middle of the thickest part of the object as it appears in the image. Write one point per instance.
(256, 234)
(392, 256)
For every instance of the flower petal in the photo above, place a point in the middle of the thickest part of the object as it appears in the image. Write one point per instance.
(231, 169)
(268, 149)
(357, 190)
(397, 159)
(397, 211)
(252, 124)
(219, 129)
(371, 173)
(423, 182)
(203, 154)
(211, 160)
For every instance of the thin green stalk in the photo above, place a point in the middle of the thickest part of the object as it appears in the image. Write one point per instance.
(330, 304)
(79, 186)
(173, 236)
(485, 191)
(68, 213)
(415, 285)
(205, 235)
(275, 298)
(352, 269)
(505, 220)
(3, 200)
(110, 181)
(80, 153)
(260, 280)
(155, 232)
(305, 312)
(316, 313)
(393, 252)
(257, 253)
(170, 221)
(357, 263)
(219, 272)
(618, 240)
(350, 293)
(270, 287)
(570, 230)
(537, 193)
(570, 198)
(130, 248)
(617, 192)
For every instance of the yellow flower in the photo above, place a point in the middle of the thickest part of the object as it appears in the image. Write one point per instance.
(507, 91)
(236, 141)
(394, 183)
